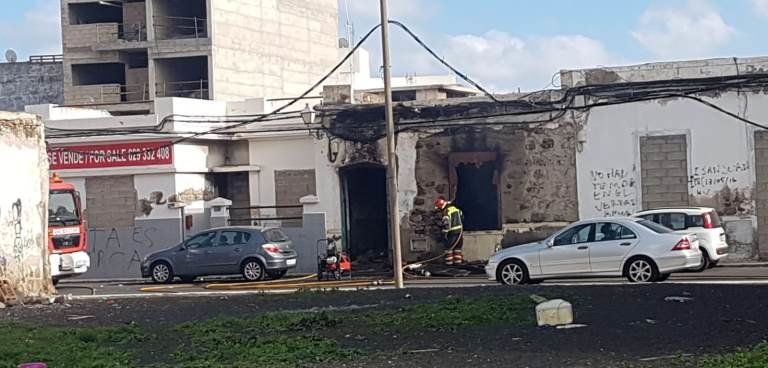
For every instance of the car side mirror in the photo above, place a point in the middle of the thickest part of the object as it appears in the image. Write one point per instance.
(550, 243)
(182, 247)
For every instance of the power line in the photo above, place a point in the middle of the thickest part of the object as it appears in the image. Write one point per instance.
(258, 119)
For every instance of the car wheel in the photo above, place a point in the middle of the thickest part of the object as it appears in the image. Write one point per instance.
(512, 272)
(188, 279)
(252, 270)
(276, 275)
(162, 273)
(705, 262)
(712, 264)
(641, 269)
(663, 277)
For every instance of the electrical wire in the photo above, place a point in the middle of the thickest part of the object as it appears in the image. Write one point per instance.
(258, 119)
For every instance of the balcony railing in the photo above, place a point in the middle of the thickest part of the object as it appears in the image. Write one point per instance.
(108, 94)
(135, 32)
(46, 58)
(170, 28)
(189, 89)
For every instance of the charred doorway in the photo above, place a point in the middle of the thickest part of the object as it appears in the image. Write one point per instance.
(474, 182)
(364, 197)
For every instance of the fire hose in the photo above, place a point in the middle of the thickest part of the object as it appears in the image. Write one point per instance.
(416, 265)
(295, 283)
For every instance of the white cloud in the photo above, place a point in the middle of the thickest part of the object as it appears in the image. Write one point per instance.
(761, 7)
(38, 31)
(692, 31)
(502, 62)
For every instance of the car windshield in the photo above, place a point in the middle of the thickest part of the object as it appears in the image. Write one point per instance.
(61, 208)
(275, 236)
(659, 229)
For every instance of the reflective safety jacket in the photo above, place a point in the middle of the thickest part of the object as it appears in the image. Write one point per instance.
(452, 219)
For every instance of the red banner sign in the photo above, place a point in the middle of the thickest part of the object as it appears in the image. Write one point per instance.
(110, 155)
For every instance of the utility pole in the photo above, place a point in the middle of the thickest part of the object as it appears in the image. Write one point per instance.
(394, 209)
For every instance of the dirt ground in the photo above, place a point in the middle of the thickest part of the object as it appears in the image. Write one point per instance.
(624, 324)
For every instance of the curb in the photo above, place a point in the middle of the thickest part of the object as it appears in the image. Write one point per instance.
(743, 264)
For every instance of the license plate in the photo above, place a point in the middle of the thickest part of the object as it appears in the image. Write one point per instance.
(65, 231)
(291, 262)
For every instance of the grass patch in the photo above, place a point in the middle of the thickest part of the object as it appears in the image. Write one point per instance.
(279, 340)
(756, 357)
(276, 340)
(456, 312)
(62, 347)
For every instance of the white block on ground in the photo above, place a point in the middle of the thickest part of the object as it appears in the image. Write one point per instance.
(554, 313)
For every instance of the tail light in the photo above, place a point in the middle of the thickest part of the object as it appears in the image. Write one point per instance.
(683, 244)
(271, 248)
(707, 221)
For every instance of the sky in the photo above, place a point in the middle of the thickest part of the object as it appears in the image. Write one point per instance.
(503, 44)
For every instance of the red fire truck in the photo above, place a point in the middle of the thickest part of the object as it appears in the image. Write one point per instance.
(67, 236)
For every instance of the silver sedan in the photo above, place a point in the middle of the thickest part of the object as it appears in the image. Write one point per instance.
(638, 249)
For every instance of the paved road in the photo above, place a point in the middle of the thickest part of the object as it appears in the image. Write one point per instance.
(719, 275)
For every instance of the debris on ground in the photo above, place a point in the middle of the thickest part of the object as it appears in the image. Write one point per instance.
(678, 299)
(77, 318)
(422, 351)
(651, 321)
(570, 326)
(663, 357)
(554, 313)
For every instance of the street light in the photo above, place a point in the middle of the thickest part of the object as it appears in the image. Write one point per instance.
(308, 115)
(394, 209)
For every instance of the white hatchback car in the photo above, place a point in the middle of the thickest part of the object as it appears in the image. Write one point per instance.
(641, 250)
(702, 221)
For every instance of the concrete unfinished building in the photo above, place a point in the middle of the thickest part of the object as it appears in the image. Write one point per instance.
(123, 54)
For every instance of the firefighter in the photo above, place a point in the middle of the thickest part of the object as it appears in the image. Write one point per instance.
(453, 231)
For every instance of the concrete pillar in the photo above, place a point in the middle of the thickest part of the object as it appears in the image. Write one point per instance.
(219, 209)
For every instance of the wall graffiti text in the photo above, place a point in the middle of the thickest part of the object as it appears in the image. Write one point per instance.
(707, 180)
(614, 192)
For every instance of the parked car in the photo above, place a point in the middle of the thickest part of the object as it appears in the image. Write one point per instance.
(254, 252)
(702, 221)
(638, 249)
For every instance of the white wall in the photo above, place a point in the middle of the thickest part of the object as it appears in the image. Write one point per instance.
(272, 154)
(149, 183)
(716, 142)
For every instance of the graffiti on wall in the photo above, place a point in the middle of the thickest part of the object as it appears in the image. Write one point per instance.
(706, 180)
(614, 192)
(20, 240)
(119, 252)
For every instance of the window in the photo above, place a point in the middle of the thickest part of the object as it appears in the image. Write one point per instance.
(576, 235)
(227, 238)
(674, 221)
(204, 240)
(275, 236)
(656, 228)
(627, 234)
(608, 231)
(698, 220)
(61, 207)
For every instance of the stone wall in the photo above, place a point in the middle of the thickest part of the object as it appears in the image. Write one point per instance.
(23, 207)
(27, 83)
(761, 173)
(535, 179)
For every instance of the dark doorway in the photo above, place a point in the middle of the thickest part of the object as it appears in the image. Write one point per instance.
(365, 213)
(477, 195)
